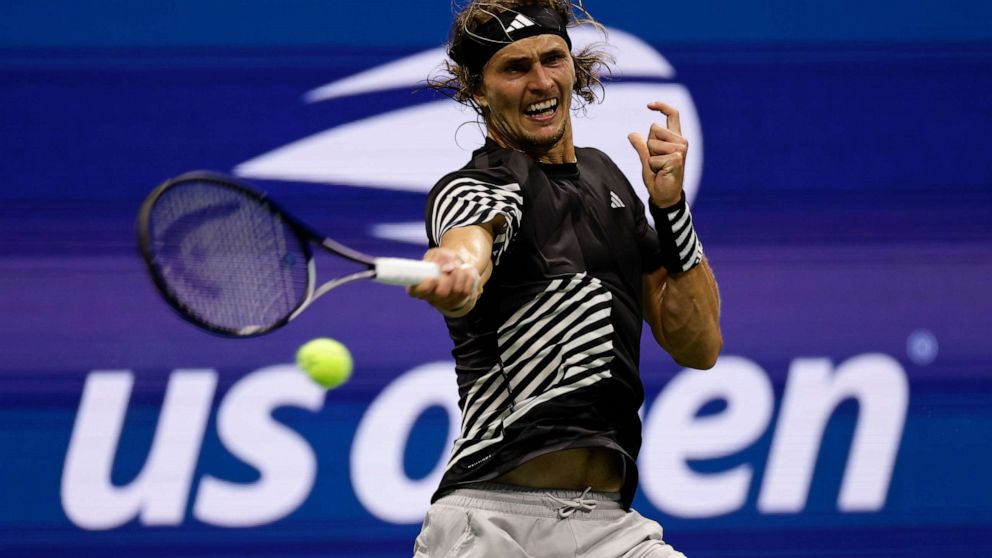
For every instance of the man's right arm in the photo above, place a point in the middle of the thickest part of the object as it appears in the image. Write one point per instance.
(471, 217)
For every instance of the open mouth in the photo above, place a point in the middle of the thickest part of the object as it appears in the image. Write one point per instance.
(542, 110)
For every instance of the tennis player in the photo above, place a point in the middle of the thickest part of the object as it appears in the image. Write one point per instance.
(550, 268)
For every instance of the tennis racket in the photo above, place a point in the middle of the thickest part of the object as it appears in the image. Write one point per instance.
(231, 261)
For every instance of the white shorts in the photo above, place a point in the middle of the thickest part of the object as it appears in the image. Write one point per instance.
(502, 521)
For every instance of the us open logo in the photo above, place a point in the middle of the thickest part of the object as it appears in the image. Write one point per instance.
(351, 154)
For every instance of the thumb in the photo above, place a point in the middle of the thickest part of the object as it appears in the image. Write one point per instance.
(640, 145)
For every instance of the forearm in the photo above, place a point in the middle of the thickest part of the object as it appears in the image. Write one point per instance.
(683, 311)
(473, 248)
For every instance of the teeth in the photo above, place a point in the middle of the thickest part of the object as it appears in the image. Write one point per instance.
(544, 105)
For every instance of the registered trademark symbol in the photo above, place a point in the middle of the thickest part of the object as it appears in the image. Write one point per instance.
(922, 347)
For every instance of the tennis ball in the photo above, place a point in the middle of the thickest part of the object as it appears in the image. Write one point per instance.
(326, 361)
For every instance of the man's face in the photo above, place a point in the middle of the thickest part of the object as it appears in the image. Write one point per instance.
(526, 91)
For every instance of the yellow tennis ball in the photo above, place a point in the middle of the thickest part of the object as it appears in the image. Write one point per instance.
(326, 361)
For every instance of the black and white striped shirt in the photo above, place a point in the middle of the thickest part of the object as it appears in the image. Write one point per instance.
(547, 359)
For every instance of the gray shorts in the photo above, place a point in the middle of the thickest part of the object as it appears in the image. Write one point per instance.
(501, 521)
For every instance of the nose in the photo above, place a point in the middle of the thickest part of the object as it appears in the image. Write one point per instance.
(540, 80)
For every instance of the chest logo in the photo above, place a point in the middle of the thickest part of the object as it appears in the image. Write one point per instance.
(615, 201)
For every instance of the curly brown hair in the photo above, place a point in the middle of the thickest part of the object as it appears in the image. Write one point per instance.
(459, 83)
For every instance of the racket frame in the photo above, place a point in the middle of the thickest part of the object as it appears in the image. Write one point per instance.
(304, 234)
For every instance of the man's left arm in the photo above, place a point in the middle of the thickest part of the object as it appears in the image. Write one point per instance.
(681, 300)
(683, 311)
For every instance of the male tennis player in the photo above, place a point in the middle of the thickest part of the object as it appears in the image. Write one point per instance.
(549, 270)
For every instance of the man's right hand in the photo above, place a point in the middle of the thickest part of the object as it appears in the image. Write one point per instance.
(456, 290)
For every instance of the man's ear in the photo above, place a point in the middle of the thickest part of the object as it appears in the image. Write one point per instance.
(479, 96)
(480, 99)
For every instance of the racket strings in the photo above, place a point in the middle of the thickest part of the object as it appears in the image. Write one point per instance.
(228, 258)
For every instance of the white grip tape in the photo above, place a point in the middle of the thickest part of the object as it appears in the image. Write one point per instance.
(402, 271)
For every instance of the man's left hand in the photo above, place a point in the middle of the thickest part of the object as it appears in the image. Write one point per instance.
(662, 157)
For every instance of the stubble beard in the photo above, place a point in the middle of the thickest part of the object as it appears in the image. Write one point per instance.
(529, 143)
(548, 142)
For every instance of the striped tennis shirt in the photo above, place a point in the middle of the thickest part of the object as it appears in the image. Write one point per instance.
(548, 358)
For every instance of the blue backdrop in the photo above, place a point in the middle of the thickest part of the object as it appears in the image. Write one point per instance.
(844, 203)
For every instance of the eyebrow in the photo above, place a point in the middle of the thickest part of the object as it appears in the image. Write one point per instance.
(526, 58)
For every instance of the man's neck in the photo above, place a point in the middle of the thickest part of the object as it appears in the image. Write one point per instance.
(557, 155)
(561, 152)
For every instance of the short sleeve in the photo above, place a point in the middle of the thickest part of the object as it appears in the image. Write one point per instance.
(462, 201)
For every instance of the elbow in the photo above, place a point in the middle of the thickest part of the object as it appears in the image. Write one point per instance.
(707, 360)
(703, 354)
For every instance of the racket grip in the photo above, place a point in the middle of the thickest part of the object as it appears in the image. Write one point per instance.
(402, 271)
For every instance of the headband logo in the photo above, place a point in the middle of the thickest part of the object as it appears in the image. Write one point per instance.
(519, 23)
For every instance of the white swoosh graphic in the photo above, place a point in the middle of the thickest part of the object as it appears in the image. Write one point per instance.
(409, 149)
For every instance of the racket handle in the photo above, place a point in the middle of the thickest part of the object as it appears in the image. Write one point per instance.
(402, 271)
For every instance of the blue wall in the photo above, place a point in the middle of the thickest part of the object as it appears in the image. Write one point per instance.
(313, 22)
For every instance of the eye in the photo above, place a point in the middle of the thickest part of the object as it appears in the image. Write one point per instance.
(553, 59)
